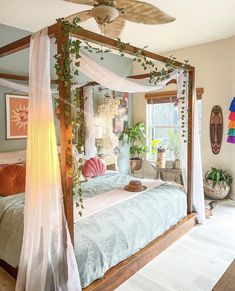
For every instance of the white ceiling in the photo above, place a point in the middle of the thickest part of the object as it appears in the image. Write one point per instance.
(198, 21)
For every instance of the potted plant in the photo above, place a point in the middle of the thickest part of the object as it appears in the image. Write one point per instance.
(135, 136)
(217, 183)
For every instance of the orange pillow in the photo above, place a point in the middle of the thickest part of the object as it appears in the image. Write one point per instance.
(12, 179)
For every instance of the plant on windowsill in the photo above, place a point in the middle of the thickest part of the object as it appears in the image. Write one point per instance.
(135, 136)
(217, 183)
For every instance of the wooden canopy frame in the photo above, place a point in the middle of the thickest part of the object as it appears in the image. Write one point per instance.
(118, 274)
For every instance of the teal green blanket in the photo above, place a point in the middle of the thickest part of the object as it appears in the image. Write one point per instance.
(103, 239)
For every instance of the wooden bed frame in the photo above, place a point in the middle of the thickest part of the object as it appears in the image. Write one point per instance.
(118, 274)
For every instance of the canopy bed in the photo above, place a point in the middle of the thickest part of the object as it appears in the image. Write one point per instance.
(149, 240)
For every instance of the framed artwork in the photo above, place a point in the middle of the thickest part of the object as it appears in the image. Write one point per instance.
(16, 116)
(121, 119)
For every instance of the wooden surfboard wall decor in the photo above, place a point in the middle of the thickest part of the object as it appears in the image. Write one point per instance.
(216, 129)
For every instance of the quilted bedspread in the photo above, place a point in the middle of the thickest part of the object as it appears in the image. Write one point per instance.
(105, 238)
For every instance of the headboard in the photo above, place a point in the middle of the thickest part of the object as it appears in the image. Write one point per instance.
(12, 157)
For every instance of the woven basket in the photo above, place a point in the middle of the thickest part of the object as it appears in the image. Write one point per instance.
(218, 192)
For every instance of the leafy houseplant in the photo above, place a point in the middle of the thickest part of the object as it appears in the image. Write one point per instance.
(137, 150)
(217, 183)
(135, 136)
(154, 144)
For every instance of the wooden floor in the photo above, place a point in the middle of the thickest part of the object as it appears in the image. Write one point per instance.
(195, 262)
(7, 283)
(227, 281)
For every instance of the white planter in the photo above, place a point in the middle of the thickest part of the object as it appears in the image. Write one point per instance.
(218, 192)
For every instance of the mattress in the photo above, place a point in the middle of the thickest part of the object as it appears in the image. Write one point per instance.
(107, 237)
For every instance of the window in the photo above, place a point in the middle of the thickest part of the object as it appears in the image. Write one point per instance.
(163, 123)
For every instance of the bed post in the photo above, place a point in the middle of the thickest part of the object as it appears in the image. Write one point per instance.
(191, 87)
(65, 135)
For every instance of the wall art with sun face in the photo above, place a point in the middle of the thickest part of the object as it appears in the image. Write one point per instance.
(16, 116)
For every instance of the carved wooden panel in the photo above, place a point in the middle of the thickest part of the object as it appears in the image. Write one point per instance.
(216, 129)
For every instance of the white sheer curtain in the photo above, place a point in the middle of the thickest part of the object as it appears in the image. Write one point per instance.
(104, 77)
(13, 85)
(47, 259)
(90, 148)
(198, 193)
(110, 80)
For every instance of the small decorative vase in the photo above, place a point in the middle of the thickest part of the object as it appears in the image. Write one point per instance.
(218, 192)
(161, 161)
(177, 164)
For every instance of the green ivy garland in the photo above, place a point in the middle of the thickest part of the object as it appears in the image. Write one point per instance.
(68, 70)
(66, 74)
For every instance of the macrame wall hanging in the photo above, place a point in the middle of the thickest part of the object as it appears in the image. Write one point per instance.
(216, 129)
(231, 124)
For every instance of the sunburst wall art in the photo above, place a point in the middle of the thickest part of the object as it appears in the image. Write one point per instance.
(16, 116)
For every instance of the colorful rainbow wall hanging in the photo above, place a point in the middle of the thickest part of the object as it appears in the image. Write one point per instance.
(231, 124)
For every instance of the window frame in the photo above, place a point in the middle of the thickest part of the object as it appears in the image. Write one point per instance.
(162, 98)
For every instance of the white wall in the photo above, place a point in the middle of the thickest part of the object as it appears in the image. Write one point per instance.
(215, 72)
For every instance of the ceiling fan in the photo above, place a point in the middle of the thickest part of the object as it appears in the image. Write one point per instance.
(111, 15)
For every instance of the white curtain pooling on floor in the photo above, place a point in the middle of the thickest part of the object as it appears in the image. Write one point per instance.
(47, 259)
(90, 148)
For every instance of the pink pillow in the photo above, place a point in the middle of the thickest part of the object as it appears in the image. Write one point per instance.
(93, 168)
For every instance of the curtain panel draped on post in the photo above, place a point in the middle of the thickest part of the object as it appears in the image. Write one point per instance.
(47, 259)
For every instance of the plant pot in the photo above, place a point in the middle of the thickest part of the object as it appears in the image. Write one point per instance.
(136, 164)
(218, 192)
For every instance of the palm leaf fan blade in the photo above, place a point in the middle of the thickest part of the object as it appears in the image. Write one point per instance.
(84, 2)
(142, 12)
(83, 16)
(114, 28)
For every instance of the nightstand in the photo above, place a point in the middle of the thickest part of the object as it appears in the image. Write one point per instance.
(168, 174)
(110, 162)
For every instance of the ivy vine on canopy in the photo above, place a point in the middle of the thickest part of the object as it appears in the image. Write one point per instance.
(67, 70)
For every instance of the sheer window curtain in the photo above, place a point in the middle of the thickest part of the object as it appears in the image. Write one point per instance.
(90, 148)
(47, 259)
